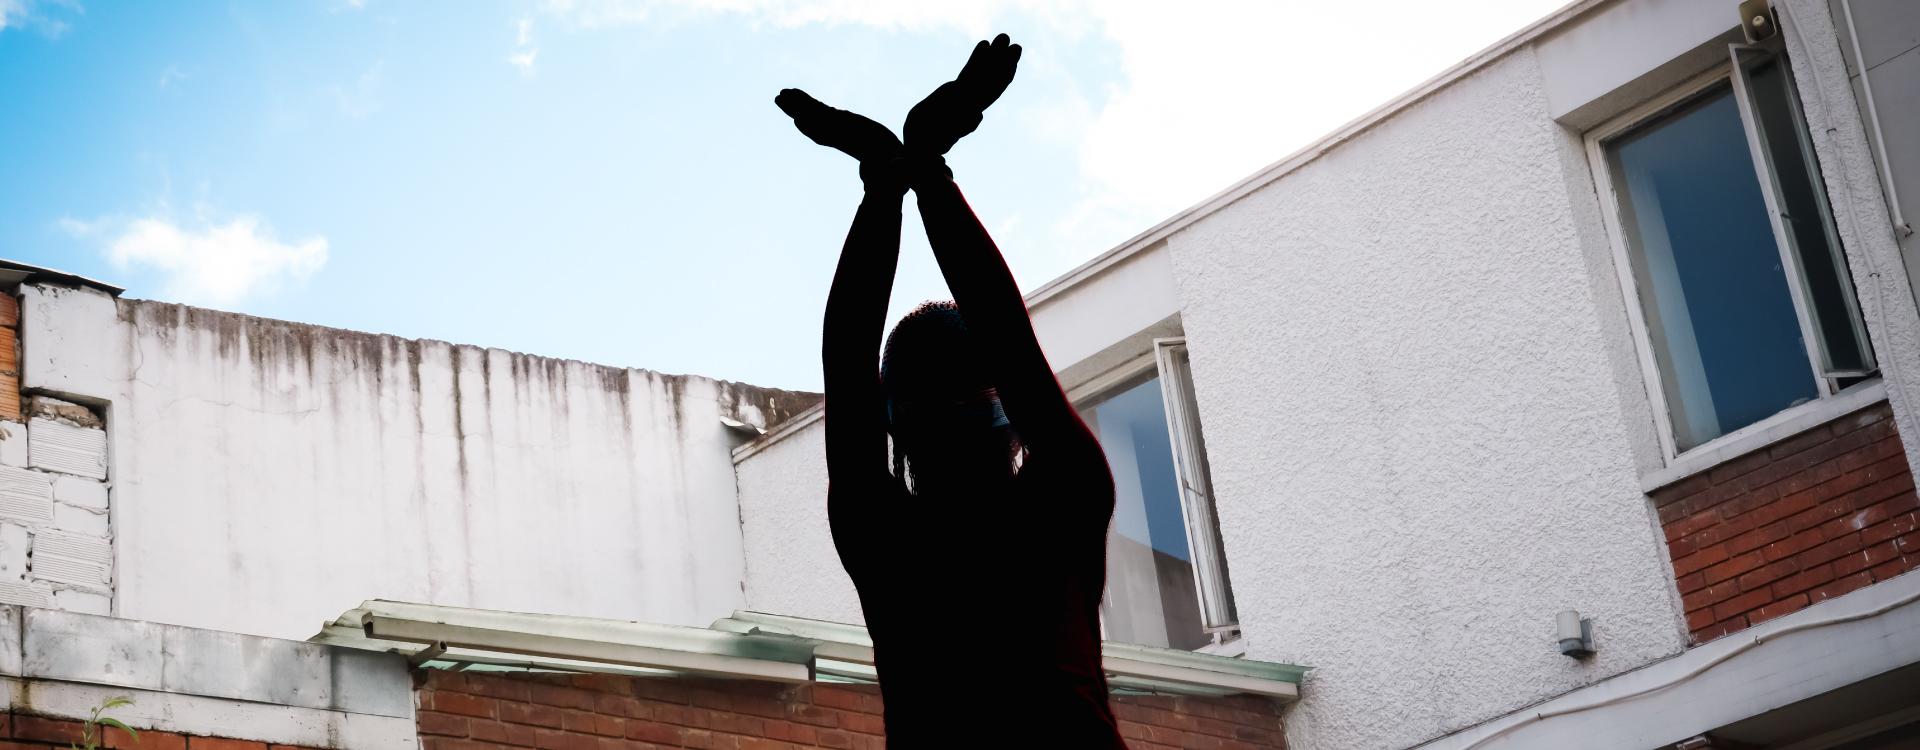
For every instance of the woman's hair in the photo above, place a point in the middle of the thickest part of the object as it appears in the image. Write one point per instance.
(931, 356)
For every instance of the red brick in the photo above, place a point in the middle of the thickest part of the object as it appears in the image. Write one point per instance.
(1800, 442)
(1735, 624)
(497, 687)
(463, 704)
(1691, 583)
(686, 716)
(1908, 543)
(619, 705)
(1709, 596)
(1793, 545)
(609, 726)
(549, 739)
(1734, 566)
(148, 740)
(1756, 538)
(222, 743)
(841, 699)
(1819, 514)
(1787, 507)
(564, 697)
(788, 731)
(1832, 549)
(1866, 558)
(1812, 476)
(1790, 604)
(527, 713)
(660, 689)
(576, 721)
(858, 722)
(1861, 418)
(452, 743)
(1870, 453)
(814, 715)
(834, 738)
(1841, 586)
(1900, 525)
(653, 731)
(1802, 580)
(1892, 466)
(1760, 577)
(1742, 604)
(519, 735)
(28, 727)
(1699, 560)
(604, 683)
(1891, 568)
(449, 725)
(1697, 522)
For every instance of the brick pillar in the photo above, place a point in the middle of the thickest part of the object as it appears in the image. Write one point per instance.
(9, 357)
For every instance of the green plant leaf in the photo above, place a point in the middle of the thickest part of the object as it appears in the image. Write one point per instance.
(115, 723)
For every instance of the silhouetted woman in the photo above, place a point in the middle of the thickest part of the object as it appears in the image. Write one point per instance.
(979, 551)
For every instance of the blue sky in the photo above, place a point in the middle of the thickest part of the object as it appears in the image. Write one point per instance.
(609, 180)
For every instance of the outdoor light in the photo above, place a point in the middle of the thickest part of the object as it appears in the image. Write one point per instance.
(1757, 20)
(1575, 634)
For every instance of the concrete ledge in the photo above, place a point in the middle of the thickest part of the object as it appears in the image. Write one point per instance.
(171, 664)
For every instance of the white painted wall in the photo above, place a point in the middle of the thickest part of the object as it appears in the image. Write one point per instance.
(1418, 448)
(267, 476)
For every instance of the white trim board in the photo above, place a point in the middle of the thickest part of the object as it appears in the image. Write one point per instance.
(1776, 673)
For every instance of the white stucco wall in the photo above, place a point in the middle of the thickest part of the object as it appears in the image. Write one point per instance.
(791, 565)
(1418, 448)
(267, 476)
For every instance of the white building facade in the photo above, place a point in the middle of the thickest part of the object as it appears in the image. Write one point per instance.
(1614, 318)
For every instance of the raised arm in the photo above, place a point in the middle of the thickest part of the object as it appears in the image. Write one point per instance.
(974, 269)
(856, 417)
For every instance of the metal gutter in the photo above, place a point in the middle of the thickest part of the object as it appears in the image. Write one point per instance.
(747, 645)
(14, 272)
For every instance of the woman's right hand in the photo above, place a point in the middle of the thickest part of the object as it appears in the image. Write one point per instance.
(853, 134)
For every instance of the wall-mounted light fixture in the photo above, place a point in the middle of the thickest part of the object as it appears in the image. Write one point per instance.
(1575, 634)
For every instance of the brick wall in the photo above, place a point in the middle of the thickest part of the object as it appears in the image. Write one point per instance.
(1806, 519)
(472, 711)
(29, 732)
(9, 357)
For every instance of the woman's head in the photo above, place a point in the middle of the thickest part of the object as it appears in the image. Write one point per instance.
(942, 410)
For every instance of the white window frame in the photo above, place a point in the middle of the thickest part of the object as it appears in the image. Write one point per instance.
(1831, 401)
(1209, 586)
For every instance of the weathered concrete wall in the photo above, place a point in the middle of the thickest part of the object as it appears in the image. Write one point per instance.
(270, 475)
(189, 686)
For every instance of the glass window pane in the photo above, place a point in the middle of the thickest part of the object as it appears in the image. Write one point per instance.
(1803, 205)
(1150, 591)
(1717, 304)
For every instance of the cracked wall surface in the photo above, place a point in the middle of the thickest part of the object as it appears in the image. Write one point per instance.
(267, 475)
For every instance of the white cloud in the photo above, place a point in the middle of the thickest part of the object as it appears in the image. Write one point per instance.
(171, 74)
(524, 51)
(12, 12)
(215, 265)
(19, 14)
(1211, 90)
